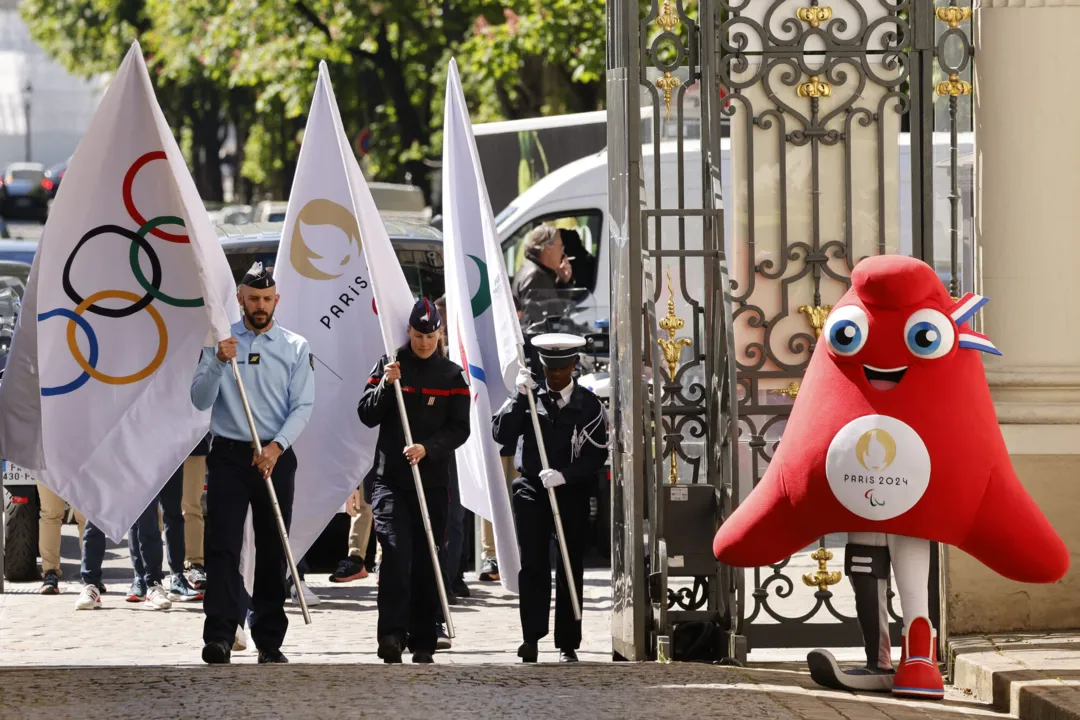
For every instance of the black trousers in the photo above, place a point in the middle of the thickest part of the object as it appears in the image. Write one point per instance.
(408, 595)
(232, 484)
(536, 537)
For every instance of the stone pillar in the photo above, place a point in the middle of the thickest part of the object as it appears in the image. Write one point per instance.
(1027, 259)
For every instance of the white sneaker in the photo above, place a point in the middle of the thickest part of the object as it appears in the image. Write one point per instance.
(89, 598)
(240, 641)
(311, 598)
(157, 598)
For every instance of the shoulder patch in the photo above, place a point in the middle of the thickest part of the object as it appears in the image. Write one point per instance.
(311, 360)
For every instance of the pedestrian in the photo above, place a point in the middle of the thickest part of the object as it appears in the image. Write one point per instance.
(50, 524)
(144, 543)
(437, 406)
(191, 505)
(574, 427)
(277, 368)
(353, 567)
(93, 556)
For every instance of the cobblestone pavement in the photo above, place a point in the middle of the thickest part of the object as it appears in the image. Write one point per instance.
(128, 661)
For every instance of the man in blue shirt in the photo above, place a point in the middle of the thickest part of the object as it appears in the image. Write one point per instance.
(277, 368)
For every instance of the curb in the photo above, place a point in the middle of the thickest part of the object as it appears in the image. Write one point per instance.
(1029, 677)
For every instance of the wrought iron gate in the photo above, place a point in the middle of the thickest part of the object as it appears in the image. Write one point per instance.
(818, 121)
(818, 101)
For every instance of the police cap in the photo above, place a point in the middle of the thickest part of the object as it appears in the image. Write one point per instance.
(425, 317)
(258, 278)
(558, 350)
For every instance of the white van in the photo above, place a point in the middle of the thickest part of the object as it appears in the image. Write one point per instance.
(575, 196)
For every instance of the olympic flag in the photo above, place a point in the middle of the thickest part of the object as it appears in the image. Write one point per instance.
(128, 284)
(482, 326)
(332, 243)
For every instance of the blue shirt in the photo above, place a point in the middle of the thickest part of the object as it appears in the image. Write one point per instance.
(278, 373)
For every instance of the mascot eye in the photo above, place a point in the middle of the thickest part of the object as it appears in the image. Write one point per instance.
(929, 334)
(847, 329)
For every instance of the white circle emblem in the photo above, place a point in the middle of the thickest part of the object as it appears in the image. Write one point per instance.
(878, 467)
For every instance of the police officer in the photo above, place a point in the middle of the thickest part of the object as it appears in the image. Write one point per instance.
(278, 372)
(574, 426)
(437, 404)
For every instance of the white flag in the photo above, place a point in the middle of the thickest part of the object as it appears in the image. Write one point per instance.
(482, 326)
(128, 283)
(332, 244)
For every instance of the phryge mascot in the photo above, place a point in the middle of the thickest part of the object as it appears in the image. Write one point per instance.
(893, 439)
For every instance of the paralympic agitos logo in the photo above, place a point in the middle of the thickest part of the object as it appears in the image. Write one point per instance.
(77, 318)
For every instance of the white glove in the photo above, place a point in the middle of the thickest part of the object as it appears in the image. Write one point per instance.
(552, 478)
(524, 381)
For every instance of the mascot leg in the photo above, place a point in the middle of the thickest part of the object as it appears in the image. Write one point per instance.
(918, 674)
(867, 565)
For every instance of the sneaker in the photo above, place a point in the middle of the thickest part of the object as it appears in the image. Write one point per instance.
(489, 570)
(443, 642)
(349, 570)
(50, 584)
(89, 598)
(310, 597)
(196, 577)
(181, 591)
(156, 597)
(137, 593)
(460, 589)
(240, 641)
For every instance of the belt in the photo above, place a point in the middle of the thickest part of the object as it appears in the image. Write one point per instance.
(225, 443)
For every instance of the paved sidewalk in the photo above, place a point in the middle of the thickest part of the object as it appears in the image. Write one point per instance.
(126, 661)
(1028, 675)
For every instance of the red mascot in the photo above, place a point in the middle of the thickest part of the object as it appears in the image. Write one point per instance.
(893, 438)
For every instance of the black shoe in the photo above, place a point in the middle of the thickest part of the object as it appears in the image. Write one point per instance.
(50, 584)
(390, 649)
(568, 656)
(451, 599)
(216, 652)
(489, 571)
(348, 570)
(460, 589)
(422, 658)
(272, 657)
(528, 652)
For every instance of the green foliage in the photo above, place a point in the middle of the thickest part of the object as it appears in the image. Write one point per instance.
(252, 65)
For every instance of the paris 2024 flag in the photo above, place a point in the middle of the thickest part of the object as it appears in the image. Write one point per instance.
(482, 327)
(128, 284)
(334, 266)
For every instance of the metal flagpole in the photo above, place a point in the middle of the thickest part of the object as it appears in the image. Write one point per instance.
(273, 496)
(567, 569)
(424, 512)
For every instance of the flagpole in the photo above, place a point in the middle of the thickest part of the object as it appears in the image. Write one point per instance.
(432, 548)
(273, 497)
(567, 568)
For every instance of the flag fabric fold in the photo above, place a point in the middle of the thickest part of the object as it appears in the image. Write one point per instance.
(128, 283)
(343, 289)
(482, 327)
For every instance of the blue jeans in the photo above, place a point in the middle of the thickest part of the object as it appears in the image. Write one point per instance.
(93, 554)
(144, 540)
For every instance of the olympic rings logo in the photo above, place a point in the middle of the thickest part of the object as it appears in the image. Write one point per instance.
(76, 319)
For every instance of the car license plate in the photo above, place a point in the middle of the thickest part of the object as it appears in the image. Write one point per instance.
(22, 202)
(12, 474)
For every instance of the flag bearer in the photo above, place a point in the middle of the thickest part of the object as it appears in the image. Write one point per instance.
(277, 368)
(437, 403)
(574, 426)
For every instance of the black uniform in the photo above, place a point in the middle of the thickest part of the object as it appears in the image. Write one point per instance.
(437, 402)
(575, 437)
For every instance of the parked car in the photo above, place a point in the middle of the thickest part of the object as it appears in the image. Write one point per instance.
(53, 176)
(22, 193)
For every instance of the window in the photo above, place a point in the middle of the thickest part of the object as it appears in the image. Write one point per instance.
(588, 224)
